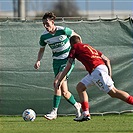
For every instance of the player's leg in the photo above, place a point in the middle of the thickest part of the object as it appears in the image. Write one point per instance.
(57, 97)
(105, 83)
(58, 67)
(124, 96)
(56, 101)
(69, 97)
(81, 89)
(64, 88)
(57, 94)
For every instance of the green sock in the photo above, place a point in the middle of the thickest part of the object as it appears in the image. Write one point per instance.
(71, 100)
(56, 101)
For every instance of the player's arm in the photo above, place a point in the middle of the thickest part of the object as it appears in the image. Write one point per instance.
(107, 63)
(64, 73)
(39, 57)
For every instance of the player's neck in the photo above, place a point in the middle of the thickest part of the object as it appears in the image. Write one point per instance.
(53, 30)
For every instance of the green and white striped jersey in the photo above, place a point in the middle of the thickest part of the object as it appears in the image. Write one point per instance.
(58, 42)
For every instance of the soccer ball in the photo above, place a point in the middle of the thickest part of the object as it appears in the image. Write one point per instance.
(29, 115)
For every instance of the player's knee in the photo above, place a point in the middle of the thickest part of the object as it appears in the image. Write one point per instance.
(113, 93)
(64, 93)
(80, 87)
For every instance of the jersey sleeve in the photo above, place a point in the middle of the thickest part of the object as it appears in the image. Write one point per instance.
(72, 53)
(42, 42)
(68, 31)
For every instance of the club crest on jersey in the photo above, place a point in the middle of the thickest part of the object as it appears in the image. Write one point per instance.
(61, 38)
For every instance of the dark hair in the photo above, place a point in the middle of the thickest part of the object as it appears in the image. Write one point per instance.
(74, 39)
(49, 15)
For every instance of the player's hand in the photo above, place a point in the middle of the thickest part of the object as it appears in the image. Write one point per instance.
(57, 84)
(37, 65)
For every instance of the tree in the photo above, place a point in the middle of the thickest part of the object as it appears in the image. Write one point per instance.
(66, 8)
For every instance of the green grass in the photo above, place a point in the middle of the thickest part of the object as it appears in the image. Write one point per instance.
(98, 124)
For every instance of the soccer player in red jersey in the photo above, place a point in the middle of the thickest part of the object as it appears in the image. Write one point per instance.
(99, 74)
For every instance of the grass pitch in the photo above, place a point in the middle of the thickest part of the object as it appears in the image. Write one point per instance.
(98, 124)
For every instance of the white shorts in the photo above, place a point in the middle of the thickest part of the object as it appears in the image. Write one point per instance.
(100, 78)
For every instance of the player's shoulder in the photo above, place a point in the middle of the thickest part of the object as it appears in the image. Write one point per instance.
(44, 32)
(44, 35)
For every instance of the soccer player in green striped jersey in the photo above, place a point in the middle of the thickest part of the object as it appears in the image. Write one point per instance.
(57, 37)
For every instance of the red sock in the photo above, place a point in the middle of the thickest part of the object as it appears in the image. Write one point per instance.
(85, 106)
(130, 100)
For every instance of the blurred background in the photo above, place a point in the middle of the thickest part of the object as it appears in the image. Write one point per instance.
(90, 9)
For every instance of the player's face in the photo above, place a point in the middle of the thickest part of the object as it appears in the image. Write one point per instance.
(48, 24)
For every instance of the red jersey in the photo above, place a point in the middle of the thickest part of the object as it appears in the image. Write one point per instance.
(87, 55)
